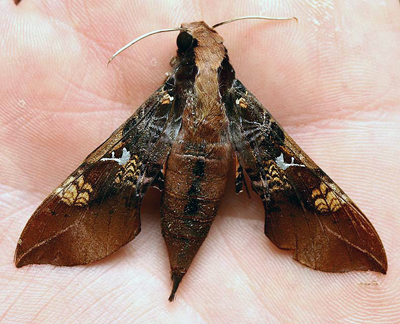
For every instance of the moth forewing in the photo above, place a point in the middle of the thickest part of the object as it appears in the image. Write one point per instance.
(96, 210)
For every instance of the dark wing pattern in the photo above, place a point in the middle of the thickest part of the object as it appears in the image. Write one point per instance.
(96, 210)
(305, 210)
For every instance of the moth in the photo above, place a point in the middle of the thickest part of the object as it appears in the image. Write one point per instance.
(182, 140)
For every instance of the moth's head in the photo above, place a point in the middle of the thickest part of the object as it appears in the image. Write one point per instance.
(196, 34)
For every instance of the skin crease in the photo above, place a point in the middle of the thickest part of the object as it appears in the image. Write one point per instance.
(331, 80)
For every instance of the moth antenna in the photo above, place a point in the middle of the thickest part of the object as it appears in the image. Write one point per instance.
(140, 38)
(251, 17)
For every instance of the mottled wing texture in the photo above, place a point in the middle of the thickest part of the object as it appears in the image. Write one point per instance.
(96, 210)
(305, 210)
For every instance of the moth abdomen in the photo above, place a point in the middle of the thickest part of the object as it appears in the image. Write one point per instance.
(194, 185)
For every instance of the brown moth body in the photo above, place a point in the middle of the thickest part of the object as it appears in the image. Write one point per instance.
(181, 140)
(197, 167)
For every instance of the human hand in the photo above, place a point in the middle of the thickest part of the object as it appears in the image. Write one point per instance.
(331, 80)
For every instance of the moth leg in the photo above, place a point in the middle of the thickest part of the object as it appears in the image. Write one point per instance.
(160, 179)
(240, 179)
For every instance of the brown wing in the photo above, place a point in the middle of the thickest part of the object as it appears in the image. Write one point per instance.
(96, 210)
(305, 210)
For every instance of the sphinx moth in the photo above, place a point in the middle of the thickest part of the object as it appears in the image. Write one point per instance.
(182, 140)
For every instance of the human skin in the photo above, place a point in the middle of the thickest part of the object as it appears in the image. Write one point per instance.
(331, 80)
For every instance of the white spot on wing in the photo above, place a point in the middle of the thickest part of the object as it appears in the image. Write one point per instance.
(280, 162)
(126, 155)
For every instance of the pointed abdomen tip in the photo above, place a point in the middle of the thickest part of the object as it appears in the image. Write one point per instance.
(176, 276)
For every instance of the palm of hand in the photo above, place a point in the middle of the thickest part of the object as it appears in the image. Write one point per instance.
(60, 101)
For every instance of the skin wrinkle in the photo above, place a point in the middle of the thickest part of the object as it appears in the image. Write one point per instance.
(83, 93)
(241, 266)
(83, 310)
(92, 283)
(43, 307)
(13, 302)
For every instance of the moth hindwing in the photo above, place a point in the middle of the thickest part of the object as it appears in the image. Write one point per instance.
(182, 140)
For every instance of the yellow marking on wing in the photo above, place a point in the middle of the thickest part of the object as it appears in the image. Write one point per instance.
(130, 172)
(87, 187)
(334, 203)
(166, 99)
(325, 199)
(75, 193)
(82, 199)
(323, 188)
(118, 177)
(321, 205)
(315, 193)
(242, 103)
(276, 179)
